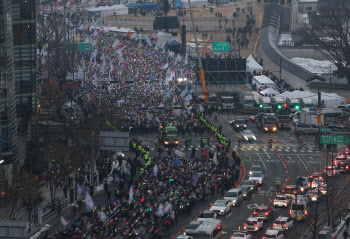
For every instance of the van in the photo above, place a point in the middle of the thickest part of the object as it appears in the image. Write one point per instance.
(298, 210)
(235, 196)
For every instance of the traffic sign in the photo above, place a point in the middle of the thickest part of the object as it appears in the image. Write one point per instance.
(319, 120)
(285, 105)
(318, 112)
(208, 51)
(334, 139)
(325, 130)
(221, 46)
(84, 47)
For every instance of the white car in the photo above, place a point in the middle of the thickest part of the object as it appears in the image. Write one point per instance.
(255, 169)
(273, 234)
(314, 195)
(281, 201)
(257, 177)
(221, 207)
(253, 224)
(283, 224)
(235, 196)
(241, 235)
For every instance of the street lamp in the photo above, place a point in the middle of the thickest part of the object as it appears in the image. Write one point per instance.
(2, 161)
(180, 79)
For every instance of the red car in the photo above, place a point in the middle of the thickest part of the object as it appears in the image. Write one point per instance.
(252, 119)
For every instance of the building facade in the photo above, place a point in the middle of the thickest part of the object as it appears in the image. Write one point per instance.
(8, 117)
(24, 51)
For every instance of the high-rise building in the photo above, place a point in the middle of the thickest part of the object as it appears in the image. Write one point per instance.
(24, 52)
(8, 118)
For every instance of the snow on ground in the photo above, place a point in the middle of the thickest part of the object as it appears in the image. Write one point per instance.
(314, 66)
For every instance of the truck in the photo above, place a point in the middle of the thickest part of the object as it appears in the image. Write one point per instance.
(246, 100)
(293, 104)
(276, 101)
(168, 135)
(308, 116)
(264, 102)
(267, 122)
(226, 102)
(306, 103)
(284, 120)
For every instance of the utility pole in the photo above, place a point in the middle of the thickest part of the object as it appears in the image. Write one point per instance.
(195, 36)
(64, 23)
(280, 68)
(92, 157)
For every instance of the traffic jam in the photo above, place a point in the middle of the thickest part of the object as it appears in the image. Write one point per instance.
(272, 220)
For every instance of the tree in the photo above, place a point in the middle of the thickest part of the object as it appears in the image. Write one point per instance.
(330, 33)
(22, 193)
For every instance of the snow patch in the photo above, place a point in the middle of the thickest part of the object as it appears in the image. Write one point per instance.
(314, 66)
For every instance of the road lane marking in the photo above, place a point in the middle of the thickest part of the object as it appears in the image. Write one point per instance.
(262, 161)
(229, 214)
(303, 163)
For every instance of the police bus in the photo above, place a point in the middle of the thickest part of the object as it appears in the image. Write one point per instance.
(210, 229)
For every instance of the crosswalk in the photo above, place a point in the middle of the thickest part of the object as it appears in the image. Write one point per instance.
(255, 148)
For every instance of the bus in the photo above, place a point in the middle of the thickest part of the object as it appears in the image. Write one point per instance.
(209, 229)
(332, 116)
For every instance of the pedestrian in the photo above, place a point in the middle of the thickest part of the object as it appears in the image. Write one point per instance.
(345, 234)
(347, 221)
(65, 190)
(105, 186)
(109, 194)
(74, 209)
(59, 208)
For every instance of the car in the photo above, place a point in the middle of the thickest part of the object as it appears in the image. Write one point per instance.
(332, 171)
(263, 212)
(291, 190)
(184, 237)
(241, 235)
(309, 129)
(252, 119)
(248, 135)
(191, 228)
(247, 191)
(301, 198)
(273, 234)
(303, 183)
(342, 163)
(298, 210)
(255, 169)
(281, 201)
(207, 215)
(314, 195)
(251, 184)
(253, 224)
(283, 224)
(337, 128)
(318, 182)
(257, 177)
(323, 190)
(239, 124)
(221, 207)
(235, 196)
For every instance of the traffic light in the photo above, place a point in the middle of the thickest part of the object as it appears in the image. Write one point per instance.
(279, 107)
(297, 107)
(261, 106)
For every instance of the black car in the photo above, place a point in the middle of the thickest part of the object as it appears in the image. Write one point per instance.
(247, 191)
(239, 124)
(250, 183)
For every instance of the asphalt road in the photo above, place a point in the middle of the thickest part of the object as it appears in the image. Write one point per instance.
(299, 162)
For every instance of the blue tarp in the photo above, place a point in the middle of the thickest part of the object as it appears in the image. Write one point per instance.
(149, 6)
(178, 3)
(174, 43)
(135, 5)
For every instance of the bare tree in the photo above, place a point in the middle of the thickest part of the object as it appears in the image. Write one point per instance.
(330, 32)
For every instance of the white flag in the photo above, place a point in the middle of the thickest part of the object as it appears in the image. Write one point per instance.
(160, 210)
(168, 207)
(102, 216)
(215, 158)
(63, 222)
(148, 116)
(201, 108)
(165, 66)
(89, 203)
(131, 195)
(155, 170)
(173, 101)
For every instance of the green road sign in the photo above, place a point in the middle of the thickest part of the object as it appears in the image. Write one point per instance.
(325, 130)
(334, 139)
(84, 47)
(221, 46)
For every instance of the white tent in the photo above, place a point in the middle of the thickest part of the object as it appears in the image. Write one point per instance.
(107, 11)
(263, 81)
(114, 29)
(252, 65)
(269, 92)
(194, 3)
(193, 40)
